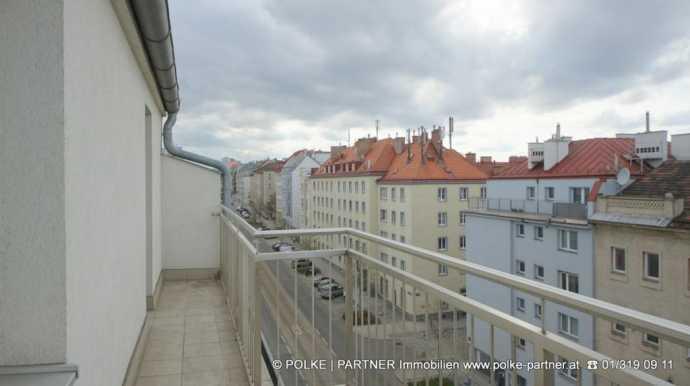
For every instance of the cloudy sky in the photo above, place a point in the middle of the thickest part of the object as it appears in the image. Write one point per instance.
(266, 77)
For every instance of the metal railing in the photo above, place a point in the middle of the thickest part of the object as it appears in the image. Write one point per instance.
(391, 314)
(545, 207)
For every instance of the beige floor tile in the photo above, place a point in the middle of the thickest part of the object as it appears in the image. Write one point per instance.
(204, 337)
(163, 367)
(163, 351)
(199, 364)
(201, 349)
(205, 378)
(228, 347)
(161, 380)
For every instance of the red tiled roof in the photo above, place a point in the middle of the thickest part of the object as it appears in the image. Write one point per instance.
(376, 160)
(586, 158)
(452, 166)
(671, 177)
(271, 166)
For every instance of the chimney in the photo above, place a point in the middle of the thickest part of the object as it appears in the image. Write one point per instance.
(555, 149)
(422, 141)
(450, 132)
(471, 157)
(363, 145)
(558, 131)
(377, 128)
(336, 151)
(437, 141)
(646, 116)
(409, 146)
(398, 144)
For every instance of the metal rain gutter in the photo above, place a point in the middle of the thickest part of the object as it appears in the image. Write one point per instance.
(153, 20)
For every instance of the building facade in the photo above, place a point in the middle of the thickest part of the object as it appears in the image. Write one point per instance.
(642, 251)
(290, 196)
(538, 209)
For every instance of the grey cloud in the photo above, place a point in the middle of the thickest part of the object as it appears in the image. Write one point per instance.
(252, 65)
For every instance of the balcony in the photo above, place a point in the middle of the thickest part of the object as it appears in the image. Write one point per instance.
(539, 207)
(387, 313)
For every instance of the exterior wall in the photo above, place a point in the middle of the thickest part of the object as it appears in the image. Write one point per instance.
(324, 213)
(421, 229)
(32, 207)
(269, 187)
(516, 189)
(670, 298)
(295, 215)
(190, 223)
(105, 102)
(483, 249)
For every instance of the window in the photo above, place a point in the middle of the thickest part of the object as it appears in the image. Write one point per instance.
(441, 194)
(356, 206)
(482, 192)
(521, 381)
(462, 218)
(538, 311)
(402, 194)
(442, 270)
(394, 217)
(618, 328)
(402, 265)
(531, 192)
(539, 272)
(364, 226)
(382, 215)
(651, 266)
(579, 195)
(521, 344)
(356, 224)
(442, 243)
(651, 340)
(384, 257)
(567, 240)
(349, 187)
(568, 369)
(402, 218)
(549, 193)
(356, 187)
(464, 193)
(568, 325)
(384, 234)
(463, 242)
(520, 230)
(393, 195)
(538, 232)
(442, 219)
(568, 281)
(520, 304)
(520, 267)
(617, 260)
(394, 261)
(364, 207)
(364, 189)
(394, 237)
(383, 194)
(402, 239)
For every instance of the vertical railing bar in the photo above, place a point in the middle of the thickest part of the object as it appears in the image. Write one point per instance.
(330, 314)
(349, 313)
(438, 344)
(427, 329)
(492, 353)
(394, 340)
(416, 337)
(294, 325)
(313, 323)
(377, 348)
(454, 352)
(277, 311)
(361, 310)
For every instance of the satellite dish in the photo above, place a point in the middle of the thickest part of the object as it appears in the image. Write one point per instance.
(623, 176)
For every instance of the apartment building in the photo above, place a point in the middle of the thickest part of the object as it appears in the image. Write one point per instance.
(264, 183)
(642, 261)
(422, 201)
(343, 191)
(293, 177)
(536, 211)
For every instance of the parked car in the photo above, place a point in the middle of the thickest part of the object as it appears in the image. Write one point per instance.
(327, 281)
(283, 246)
(308, 270)
(332, 290)
(327, 284)
(300, 262)
(319, 280)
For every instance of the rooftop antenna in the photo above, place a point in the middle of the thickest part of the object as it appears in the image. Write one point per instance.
(377, 128)
(348, 136)
(450, 132)
(409, 146)
(646, 116)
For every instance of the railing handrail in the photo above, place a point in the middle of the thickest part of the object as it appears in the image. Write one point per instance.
(668, 329)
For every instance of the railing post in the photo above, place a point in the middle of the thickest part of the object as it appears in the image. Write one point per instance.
(349, 309)
(256, 338)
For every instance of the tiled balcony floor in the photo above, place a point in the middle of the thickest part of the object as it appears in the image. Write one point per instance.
(192, 341)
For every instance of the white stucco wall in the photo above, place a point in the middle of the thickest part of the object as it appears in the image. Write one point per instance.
(191, 194)
(32, 189)
(105, 101)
